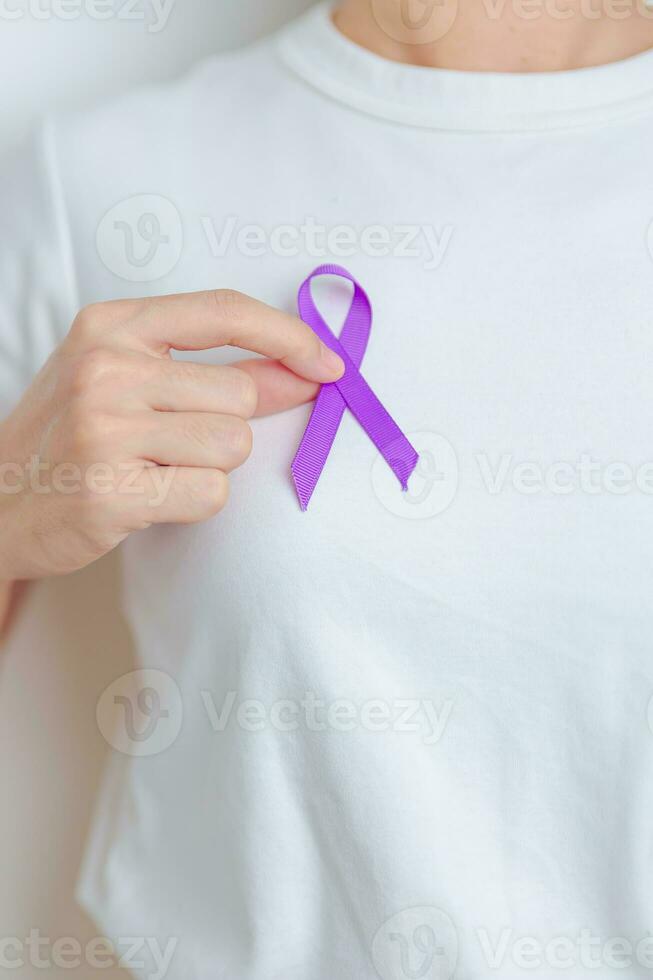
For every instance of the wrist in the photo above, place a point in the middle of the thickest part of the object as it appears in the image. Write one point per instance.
(8, 555)
(11, 487)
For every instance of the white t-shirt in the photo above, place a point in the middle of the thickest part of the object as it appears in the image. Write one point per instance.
(407, 735)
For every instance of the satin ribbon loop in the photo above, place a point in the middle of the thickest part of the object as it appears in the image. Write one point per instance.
(350, 391)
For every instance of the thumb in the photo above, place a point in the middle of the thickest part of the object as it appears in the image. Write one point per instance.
(278, 388)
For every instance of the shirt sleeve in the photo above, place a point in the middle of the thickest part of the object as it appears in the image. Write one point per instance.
(37, 280)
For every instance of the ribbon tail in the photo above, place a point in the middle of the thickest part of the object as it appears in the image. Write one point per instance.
(317, 441)
(382, 429)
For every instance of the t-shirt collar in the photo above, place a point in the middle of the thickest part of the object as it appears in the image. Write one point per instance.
(442, 99)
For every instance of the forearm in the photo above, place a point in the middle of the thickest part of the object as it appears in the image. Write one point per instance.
(9, 588)
(9, 592)
(6, 592)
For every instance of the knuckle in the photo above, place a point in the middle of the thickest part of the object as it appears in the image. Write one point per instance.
(205, 494)
(197, 431)
(85, 324)
(303, 344)
(87, 432)
(240, 438)
(245, 392)
(229, 304)
(216, 491)
(92, 369)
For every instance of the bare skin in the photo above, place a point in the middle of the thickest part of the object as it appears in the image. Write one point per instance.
(114, 435)
(499, 35)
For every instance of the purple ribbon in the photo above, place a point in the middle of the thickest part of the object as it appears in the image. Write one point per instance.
(351, 390)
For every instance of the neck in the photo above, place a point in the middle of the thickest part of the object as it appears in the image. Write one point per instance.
(499, 35)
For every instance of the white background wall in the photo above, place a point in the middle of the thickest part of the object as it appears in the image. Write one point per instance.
(70, 641)
(47, 62)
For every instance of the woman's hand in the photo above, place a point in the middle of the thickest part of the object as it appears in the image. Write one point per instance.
(114, 435)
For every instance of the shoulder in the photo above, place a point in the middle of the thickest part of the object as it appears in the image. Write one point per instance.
(217, 92)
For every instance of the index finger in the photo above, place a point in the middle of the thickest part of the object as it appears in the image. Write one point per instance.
(223, 317)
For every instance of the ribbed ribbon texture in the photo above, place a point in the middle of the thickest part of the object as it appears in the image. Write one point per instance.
(350, 391)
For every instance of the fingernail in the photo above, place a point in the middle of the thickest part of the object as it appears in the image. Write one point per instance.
(332, 361)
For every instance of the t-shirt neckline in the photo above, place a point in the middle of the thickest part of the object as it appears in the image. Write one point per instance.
(443, 99)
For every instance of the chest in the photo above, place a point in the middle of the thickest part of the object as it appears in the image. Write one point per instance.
(530, 508)
(511, 341)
